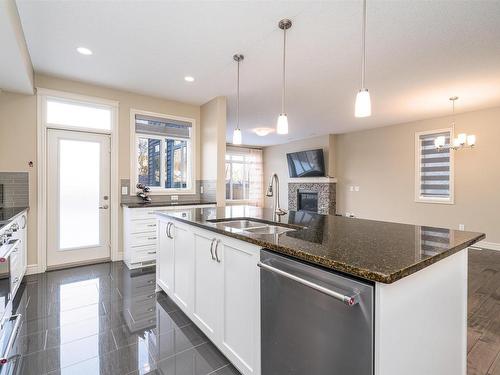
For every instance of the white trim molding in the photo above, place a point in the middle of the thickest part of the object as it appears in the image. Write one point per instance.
(312, 180)
(32, 269)
(42, 127)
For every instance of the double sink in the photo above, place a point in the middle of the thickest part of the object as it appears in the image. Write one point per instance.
(251, 226)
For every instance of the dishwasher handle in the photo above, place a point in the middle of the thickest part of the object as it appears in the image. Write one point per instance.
(348, 300)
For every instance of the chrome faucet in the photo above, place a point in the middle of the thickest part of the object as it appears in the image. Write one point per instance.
(275, 180)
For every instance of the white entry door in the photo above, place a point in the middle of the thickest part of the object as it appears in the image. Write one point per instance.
(78, 181)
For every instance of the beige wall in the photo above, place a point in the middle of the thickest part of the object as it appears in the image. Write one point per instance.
(18, 148)
(18, 132)
(213, 147)
(274, 158)
(382, 163)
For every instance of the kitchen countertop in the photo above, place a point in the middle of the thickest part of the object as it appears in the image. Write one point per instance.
(7, 214)
(164, 204)
(373, 250)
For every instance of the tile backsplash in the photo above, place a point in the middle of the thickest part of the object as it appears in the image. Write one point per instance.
(14, 189)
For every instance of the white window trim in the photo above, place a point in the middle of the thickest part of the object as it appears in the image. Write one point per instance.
(42, 127)
(134, 162)
(418, 197)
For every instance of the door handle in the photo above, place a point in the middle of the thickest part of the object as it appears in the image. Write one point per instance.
(216, 253)
(104, 207)
(349, 300)
(212, 249)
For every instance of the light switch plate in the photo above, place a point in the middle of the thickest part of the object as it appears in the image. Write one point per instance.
(461, 226)
(201, 189)
(356, 188)
(124, 190)
(351, 188)
(174, 197)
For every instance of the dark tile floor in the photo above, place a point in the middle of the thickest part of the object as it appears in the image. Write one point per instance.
(105, 319)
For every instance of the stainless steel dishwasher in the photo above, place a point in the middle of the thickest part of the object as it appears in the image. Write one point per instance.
(314, 322)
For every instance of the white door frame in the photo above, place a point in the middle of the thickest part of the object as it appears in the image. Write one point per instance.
(42, 127)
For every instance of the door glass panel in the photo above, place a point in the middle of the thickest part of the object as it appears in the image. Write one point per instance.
(79, 195)
(176, 164)
(78, 115)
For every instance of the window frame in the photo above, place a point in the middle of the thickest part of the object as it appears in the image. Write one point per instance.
(419, 198)
(191, 154)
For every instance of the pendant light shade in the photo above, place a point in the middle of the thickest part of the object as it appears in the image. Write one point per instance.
(282, 127)
(282, 124)
(237, 137)
(237, 140)
(363, 106)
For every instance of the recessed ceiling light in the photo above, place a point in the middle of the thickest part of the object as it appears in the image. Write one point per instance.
(189, 79)
(84, 51)
(262, 132)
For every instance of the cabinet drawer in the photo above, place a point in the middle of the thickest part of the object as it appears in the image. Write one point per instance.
(142, 213)
(142, 226)
(143, 239)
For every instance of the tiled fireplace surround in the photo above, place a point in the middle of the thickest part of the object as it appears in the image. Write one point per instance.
(325, 190)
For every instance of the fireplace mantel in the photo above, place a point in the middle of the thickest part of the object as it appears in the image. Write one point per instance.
(313, 180)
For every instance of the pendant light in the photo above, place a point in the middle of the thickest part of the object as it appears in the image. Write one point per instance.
(282, 125)
(237, 138)
(363, 106)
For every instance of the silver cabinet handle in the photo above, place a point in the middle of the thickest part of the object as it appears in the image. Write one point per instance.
(151, 252)
(151, 238)
(167, 230)
(151, 225)
(348, 300)
(104, 207)
(212, 248)
(5, 355)
(24, 222)
(216, 252)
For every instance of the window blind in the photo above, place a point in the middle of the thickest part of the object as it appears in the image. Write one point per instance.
(162, 126)
(434, 167)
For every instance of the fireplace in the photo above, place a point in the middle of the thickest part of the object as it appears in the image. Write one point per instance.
(312, 195)
(307, 200)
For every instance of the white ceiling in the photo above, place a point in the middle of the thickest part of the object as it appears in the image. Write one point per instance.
(419, 54)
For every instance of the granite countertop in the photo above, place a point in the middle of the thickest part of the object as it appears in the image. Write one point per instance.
(164, 204)
(7, 214)
(373, 250)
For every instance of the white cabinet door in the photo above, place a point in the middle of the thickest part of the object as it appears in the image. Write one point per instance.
(241, 305)
(183, 266)
(165, 257)
(208, 284)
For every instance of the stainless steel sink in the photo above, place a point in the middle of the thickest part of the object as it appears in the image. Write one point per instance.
(269, 229)
(250, 226)
(240, 224)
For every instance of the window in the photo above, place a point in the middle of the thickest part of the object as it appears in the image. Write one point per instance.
(77, 114)
(434, 168)
(164, 158)
(244, 175)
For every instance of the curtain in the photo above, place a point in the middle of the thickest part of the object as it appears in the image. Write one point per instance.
(254, 172)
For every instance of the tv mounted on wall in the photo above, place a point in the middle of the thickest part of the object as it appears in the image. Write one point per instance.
(309, 163)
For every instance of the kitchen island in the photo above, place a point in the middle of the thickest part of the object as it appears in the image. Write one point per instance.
(411, 301)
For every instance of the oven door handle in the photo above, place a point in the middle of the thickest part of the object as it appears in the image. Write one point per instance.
(348, 300)
(5, 356)
(6, 255)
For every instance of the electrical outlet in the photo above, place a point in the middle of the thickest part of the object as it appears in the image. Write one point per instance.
(124, 190)
(356, 188)
(461, 226)
(174, 197)
(351, 188)
(201, 189)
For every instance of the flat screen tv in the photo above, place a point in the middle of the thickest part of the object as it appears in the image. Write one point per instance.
(309, 163)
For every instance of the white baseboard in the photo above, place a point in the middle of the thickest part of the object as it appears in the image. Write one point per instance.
(487, 245)
(32, 269)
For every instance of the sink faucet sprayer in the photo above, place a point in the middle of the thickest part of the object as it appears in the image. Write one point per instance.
(274, 179)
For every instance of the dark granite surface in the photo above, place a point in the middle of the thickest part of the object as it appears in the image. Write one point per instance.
(7, 214)
(164, 204)
(373, 250)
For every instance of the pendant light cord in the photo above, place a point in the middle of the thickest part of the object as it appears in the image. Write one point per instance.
(363, 47)
(283, 91)
(238, 97)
